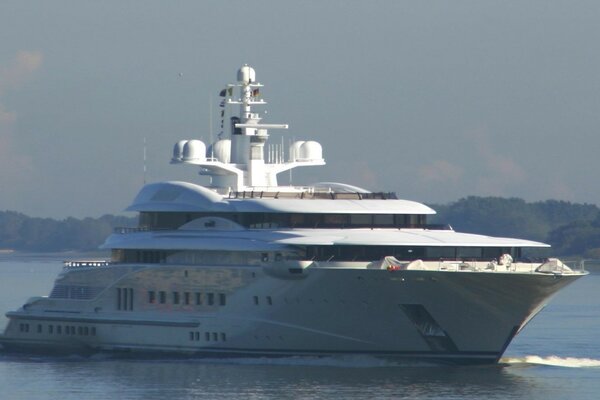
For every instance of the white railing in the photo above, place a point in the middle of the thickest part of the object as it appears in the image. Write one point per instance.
(86, 263)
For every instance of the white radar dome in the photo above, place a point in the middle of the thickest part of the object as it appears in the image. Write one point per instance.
(222, 150)
(310, 151)
(295, 150)
(246, 74)
(194, 150)
(178, 150)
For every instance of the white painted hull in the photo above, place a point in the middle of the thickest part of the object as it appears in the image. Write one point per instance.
(449, 316)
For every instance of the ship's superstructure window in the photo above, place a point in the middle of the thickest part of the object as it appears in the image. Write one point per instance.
(75, 292)
(440, 252)
(125, 299)
(80, 330)
(384, 220)
(258, 220)
(184, 257)
(427, 253)
(329, 253)
(177, 298)
(360, 219)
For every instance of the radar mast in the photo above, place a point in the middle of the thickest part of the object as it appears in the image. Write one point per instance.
(236, 163)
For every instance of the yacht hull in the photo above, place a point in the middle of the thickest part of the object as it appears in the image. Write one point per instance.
(440, 316)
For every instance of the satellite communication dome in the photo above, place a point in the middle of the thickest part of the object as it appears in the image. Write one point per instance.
(178, 150)
(246, 74)
(222, 150)
(310, 151)
(295, 150)
(194, 150)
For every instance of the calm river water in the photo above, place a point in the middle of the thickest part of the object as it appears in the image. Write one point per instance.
(556, 357)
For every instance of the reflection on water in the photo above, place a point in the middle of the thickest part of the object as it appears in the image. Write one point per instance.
(287, 378)
(297, 378)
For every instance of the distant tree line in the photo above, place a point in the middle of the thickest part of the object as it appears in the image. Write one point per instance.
(572, 229)
(22, 233)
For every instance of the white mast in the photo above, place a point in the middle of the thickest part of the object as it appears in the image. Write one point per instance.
(239, 160)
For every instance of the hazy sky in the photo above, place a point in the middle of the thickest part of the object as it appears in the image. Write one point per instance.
(435, 100)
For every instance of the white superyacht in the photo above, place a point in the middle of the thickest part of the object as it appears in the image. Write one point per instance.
(245, 267)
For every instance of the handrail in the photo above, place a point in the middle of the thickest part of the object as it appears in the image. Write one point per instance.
(127, 229)
(86, 263)
(310, 195)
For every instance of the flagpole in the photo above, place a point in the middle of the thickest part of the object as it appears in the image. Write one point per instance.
(210, 125)
(145, 168)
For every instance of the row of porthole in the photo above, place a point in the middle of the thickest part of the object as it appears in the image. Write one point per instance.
(187, 298)
(61, 329)
(208, 336)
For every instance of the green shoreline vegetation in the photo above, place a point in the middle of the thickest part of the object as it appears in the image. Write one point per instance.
(572, 229)
(21, 233)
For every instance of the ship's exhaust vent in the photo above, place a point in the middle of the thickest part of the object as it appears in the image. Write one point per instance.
(430, 330)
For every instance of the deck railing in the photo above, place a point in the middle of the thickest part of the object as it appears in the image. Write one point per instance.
(86, 263)
(313, 195)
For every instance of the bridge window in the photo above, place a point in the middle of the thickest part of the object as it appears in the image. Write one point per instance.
(259, 220)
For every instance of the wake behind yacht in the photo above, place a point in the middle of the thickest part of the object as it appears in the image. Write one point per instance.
(247, 267)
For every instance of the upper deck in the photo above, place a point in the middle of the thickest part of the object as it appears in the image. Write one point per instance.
(188, 197)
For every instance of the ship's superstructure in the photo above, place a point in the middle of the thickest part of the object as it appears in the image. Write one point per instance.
(247, 267)
(237, 163)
